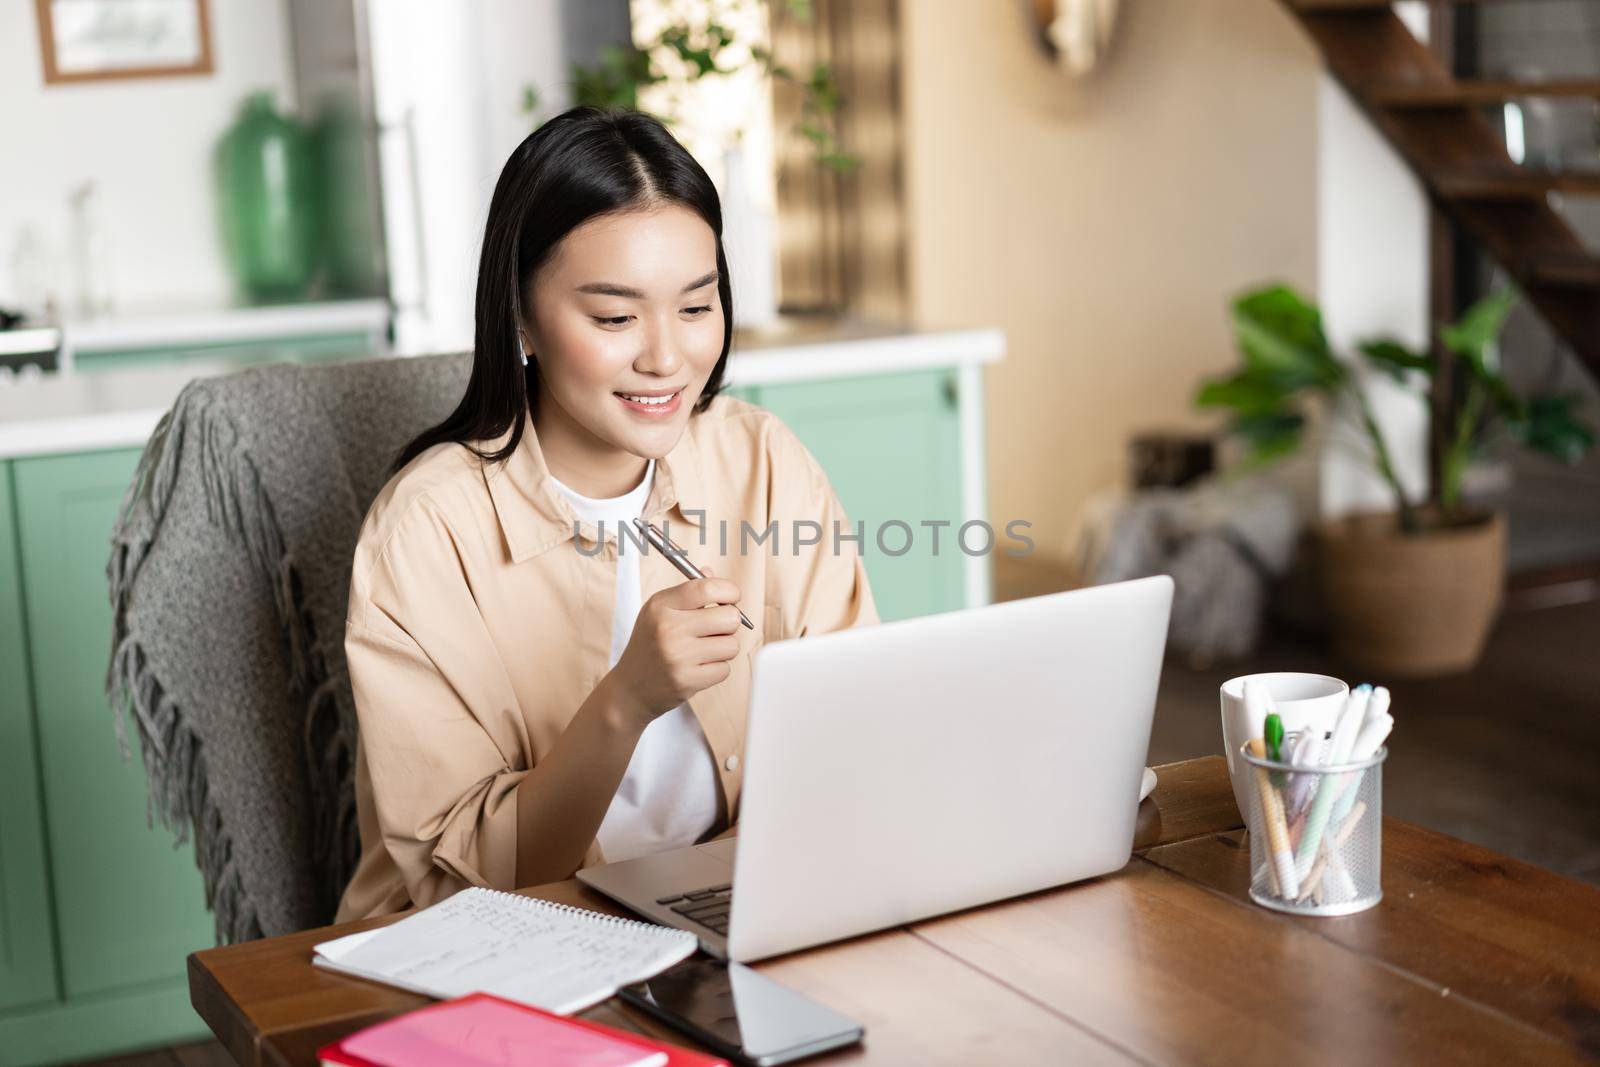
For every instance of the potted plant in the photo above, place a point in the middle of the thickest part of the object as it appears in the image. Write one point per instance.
(1414, 590)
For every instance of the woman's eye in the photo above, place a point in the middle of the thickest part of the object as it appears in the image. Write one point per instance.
(698, 311)
(613, 320)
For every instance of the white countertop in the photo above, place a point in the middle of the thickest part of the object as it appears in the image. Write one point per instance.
(181, 327)
(84, 411)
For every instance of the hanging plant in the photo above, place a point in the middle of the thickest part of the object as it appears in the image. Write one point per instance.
(691, 49)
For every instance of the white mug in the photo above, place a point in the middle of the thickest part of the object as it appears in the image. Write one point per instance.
(1301, 700)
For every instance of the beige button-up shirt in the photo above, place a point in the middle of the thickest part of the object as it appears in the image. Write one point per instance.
(480, 619)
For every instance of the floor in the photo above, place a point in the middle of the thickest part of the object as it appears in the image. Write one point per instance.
(1505, 756)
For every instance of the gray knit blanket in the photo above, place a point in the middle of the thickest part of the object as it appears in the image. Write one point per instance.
(229, 572)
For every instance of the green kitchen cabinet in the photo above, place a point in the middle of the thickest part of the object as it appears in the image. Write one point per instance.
(27, 957)
(891, 445)
(128, 906)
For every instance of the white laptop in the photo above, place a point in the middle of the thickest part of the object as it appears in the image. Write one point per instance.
(913, 768)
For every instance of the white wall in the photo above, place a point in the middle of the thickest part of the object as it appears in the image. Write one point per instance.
(147, 143)
(1372, 280)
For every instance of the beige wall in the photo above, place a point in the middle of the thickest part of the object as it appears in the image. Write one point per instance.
(1104, 225)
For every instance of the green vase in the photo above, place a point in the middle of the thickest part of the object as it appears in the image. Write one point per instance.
(352, 249)
(267, 196)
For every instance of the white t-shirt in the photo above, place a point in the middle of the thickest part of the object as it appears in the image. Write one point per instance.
(668, 797)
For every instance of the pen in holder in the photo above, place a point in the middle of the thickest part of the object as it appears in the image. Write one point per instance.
(1316, 833)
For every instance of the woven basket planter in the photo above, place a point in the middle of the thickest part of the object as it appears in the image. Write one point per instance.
(1412, 606)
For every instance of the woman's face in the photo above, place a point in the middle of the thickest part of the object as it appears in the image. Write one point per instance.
(626, 325)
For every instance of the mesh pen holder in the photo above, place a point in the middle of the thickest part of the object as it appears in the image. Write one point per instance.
(1316, 834)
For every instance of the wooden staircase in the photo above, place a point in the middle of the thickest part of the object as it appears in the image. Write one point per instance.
(1433, 121)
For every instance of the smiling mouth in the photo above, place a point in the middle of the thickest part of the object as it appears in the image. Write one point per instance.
(648, 404)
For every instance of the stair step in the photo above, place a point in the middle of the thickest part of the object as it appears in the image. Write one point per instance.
(1514, 184)
(1462, 159)
(1468, 93)
(1567, 272)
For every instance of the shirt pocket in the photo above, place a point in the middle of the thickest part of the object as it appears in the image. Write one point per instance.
(771, 623)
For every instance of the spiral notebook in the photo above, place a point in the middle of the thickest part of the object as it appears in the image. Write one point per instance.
(552, 956)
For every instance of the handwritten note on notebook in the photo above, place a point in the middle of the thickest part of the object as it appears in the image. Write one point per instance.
(488, 1033)
(554, 957)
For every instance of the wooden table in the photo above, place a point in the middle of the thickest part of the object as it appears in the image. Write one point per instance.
(1472, 957)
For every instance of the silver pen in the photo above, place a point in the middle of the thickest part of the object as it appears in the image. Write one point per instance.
(675, 556)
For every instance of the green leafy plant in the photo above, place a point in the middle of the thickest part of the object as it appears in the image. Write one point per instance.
(1288, 363)
(690, 49)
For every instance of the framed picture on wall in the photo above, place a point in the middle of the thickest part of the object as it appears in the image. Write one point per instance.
(91, 40)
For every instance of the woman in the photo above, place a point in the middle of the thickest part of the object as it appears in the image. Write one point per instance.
(536, 695)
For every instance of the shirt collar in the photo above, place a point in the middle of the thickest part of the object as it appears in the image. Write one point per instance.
(535, 517)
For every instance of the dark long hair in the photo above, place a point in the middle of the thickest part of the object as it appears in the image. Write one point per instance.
(582, 163)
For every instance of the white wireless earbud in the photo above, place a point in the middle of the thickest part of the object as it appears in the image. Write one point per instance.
(522, 352)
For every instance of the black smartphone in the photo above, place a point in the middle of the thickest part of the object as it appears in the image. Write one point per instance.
(741, 1015)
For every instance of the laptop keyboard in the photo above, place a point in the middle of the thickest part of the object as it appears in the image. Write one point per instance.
(706, 907)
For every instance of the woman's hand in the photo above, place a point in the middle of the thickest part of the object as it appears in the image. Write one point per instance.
(679, 646)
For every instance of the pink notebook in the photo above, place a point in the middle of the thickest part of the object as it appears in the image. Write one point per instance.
(485, 1031)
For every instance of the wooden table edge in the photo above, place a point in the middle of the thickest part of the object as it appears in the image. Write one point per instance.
(221, 1012)
(235, 1031)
